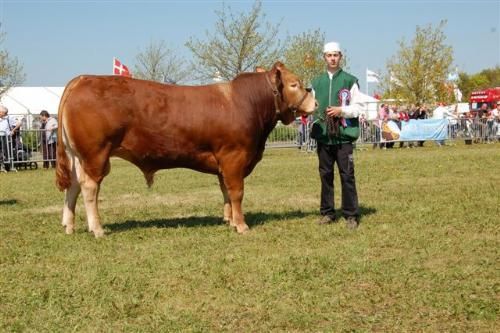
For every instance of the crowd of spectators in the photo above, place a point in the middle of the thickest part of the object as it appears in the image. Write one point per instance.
(481, 126)
(16, 147)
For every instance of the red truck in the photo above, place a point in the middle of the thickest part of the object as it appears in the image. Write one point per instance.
(489, 96)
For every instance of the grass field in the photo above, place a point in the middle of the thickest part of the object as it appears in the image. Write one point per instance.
(425, 258)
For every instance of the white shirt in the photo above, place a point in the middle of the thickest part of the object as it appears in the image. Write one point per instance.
(51, 130)
(7, 123)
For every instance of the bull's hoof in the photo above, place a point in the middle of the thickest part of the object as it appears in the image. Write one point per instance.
(227, 220)
(99, 233)
(242, 228)
(69, 229)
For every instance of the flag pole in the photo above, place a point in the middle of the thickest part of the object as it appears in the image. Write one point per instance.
(366, 78)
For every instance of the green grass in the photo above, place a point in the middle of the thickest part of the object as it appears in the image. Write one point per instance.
(425, 259)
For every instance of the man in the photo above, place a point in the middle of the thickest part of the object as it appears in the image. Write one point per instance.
(8, 128)
(335, 128)
(496, 117)
(49, 139)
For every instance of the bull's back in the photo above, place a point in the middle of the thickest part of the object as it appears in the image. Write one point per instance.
(151, 124)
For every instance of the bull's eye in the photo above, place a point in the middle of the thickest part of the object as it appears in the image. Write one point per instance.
(294, 85)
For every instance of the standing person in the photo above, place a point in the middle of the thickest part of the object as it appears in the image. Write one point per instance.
(496, 121)
(9, 126)
(382, 115)
(336, 127)
(49, 139)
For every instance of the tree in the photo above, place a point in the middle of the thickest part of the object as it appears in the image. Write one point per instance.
(417, 73)
(304, 55)
(11, 70)
(487, 78)
(240, 43)
(159, 63)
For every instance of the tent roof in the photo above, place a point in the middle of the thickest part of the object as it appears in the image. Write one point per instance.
(32, 100)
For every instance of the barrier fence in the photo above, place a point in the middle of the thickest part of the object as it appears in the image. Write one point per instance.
(30, 149)
(376, 132)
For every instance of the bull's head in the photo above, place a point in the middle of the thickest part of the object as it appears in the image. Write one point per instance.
(292, 98)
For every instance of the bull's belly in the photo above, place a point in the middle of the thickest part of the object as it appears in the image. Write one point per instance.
(199, 161)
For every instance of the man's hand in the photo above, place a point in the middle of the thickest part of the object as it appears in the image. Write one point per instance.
(333, 111)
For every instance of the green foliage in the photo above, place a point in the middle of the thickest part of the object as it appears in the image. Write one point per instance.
(304, 55)
(425, 258)
(240, 43)
(30, 138)
(11, 70)
(487, 78)
(417, 73)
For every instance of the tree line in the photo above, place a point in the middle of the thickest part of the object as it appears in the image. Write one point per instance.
(239, 42)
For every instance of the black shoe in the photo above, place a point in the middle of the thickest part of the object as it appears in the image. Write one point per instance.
(352, 222)
(326, 219)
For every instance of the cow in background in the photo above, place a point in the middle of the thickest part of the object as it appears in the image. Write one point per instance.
(219, 129)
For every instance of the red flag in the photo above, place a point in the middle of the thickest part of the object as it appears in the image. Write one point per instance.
(120, 69)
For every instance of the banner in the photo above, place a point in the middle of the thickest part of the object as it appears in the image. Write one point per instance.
(415, 130)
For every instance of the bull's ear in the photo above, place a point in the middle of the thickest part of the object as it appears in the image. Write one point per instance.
(278, 65)
(277, 76)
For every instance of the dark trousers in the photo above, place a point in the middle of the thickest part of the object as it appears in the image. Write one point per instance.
(49, 155)
(5, 154)
(328, 155)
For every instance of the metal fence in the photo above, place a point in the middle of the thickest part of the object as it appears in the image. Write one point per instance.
(30, 150)
(470, 130)
(26, 150)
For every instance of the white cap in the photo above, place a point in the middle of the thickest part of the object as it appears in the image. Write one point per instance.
(331, 47)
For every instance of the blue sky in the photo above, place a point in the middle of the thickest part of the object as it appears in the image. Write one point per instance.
(57, 40)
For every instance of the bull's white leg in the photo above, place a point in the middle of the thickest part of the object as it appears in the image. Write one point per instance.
(228, 214)
(70, 197)
(90, 192)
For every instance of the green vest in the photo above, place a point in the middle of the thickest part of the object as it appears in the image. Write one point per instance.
(327, 93)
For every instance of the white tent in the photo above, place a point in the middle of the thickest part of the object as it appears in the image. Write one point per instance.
(29, 101)
(371, 106)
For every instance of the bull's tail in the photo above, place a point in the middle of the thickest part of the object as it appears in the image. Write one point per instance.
(63, 166)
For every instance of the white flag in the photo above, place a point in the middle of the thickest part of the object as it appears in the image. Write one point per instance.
(458, 94)
(371, 76)
(452, 76)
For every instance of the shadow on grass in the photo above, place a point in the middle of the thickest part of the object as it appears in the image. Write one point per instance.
(252, 219)
(8, 202)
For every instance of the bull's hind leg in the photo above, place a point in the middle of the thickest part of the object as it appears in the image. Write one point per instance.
(228, 214)
(70, 197)
(90, 192)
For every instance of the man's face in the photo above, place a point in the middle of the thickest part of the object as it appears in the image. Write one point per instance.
(3, 113)
(333, 59)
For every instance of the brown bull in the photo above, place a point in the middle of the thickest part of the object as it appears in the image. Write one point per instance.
(219, 129)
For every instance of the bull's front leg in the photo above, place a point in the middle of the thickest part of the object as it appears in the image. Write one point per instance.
(228, 213)
(234, 185)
